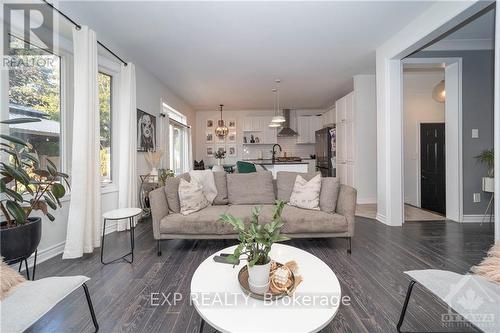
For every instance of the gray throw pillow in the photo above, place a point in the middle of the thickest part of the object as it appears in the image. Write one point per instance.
(221, 185)
(172, 192)
(285, 181)
(329, 194)
(250, 188)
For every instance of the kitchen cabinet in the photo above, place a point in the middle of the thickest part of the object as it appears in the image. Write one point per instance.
(356, 124)
(346, 139)
(328, 118)
(258, 127)
(252, 124)
(307, 127)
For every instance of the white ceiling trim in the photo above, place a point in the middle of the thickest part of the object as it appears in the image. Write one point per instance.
(461, 44)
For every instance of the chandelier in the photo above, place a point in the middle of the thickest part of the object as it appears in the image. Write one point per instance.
(221, 131)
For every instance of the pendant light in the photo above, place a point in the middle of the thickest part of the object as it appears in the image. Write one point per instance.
(274, 124)
(277, 117)
(221, 131)
(439, 92)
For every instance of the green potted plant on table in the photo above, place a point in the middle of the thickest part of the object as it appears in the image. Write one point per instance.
(487, 157)
(256, 241)
(25, 187)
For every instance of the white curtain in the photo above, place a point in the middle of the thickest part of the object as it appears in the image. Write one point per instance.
(127, 138)
(190, 149)
(84, 220)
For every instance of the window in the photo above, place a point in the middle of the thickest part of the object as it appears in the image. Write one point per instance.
(178, 140)
(105, 82)
(35, 92)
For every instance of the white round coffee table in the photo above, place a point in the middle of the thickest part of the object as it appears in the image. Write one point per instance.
(219, 300)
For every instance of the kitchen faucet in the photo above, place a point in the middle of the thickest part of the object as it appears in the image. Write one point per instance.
(274, 151)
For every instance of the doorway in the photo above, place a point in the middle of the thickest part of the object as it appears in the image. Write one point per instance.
(433, 167)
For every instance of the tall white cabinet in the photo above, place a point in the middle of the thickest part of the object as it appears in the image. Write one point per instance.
(356, 123)
(307, 127)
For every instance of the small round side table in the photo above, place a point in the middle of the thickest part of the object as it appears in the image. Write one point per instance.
(120, 214)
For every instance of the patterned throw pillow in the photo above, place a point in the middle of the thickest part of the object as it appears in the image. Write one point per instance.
(191, 196)
(305, 193)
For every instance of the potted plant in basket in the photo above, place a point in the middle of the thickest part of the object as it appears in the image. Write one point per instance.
(255, 244)
(487, 157)
(25, 187)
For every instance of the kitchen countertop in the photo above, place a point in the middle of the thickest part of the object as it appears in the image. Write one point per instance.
(270, 162)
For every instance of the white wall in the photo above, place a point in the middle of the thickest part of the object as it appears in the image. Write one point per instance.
(365, 137)
(419, 107)
(150, 94)
(249, 152)
(438, 19)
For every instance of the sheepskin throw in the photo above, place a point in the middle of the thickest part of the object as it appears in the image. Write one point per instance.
(489, 268)
(9, 279)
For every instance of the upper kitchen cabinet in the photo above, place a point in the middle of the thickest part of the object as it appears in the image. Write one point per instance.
(252, 124)
(258, 127)
(356, 124)
(307, 127)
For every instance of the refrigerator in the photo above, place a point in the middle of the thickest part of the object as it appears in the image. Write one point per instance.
(326, 151)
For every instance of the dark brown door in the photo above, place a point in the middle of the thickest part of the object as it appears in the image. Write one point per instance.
(432, 168)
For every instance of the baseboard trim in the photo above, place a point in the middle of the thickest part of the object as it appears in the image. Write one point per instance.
(46, 254)
(477, 218)
(381, 218)
(57, 249)
(365, 201)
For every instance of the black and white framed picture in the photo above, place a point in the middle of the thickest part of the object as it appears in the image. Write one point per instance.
(220, 148)
(231, 151)
(231, 137)
(209, 137)
(210, 123)
(231, 124)
(210, 151)
(146, 131)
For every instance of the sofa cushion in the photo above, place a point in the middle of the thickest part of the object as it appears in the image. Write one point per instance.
(251, 188)
(329, 194)
(221, 185)
(298, 220)
(244, 212)
(285, 180)
(203, 222)
(172, 192)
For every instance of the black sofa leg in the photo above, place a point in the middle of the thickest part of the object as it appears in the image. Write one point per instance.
(349, 245)
(405, 306)
(158, 247)
(91, 308)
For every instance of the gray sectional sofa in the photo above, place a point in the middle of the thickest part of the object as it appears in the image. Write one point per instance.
(239, 193)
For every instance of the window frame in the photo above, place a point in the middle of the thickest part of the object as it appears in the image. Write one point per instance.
(111, 68)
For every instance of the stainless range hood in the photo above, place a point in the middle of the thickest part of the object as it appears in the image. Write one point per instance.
(286, 130)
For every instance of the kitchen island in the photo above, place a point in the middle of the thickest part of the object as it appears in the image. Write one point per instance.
(281, 165)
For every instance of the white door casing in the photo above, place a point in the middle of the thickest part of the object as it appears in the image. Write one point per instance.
(438, 19)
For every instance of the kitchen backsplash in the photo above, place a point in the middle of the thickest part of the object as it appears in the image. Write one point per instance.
(288, 145)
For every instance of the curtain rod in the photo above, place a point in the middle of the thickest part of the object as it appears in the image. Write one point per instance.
(170, 120)
(78, 27)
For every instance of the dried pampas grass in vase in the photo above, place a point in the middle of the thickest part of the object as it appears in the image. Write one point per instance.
(153, 157)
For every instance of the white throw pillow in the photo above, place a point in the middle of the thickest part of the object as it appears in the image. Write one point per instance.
(191, 196)
(305, 193)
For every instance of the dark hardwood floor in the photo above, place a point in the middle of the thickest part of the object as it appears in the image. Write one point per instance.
(372, 276)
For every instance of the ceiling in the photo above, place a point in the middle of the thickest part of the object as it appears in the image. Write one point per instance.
(230, 52)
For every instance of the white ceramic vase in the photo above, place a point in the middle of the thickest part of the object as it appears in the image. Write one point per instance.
(258, 277)
(154, 172)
